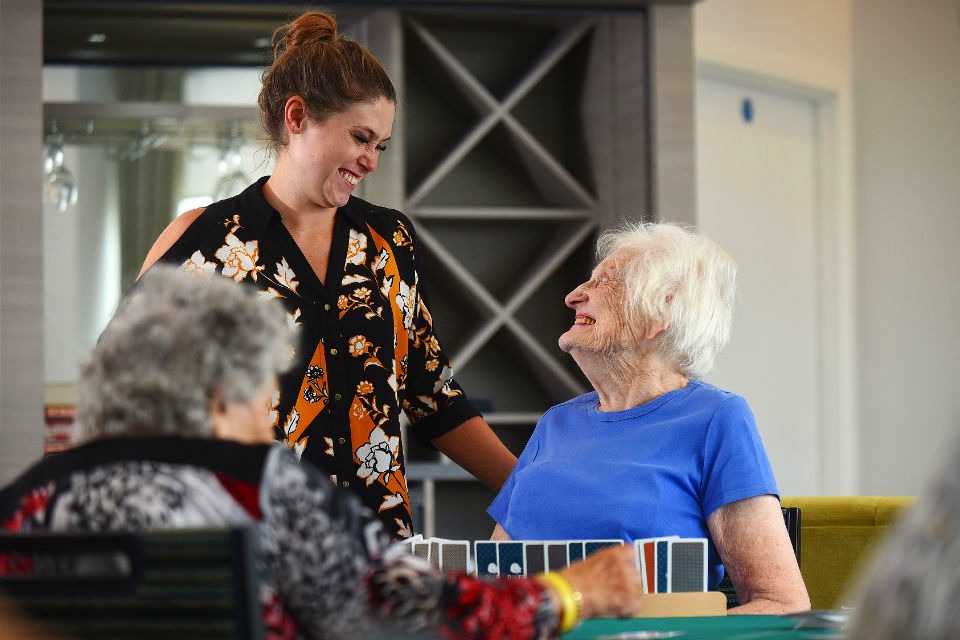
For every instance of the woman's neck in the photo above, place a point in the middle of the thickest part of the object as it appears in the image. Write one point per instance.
(625, 381)
(297, 211)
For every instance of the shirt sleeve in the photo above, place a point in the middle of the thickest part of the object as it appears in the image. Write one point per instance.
(339, 576)
(407, 592)
(735, 462)
(433, 400)
(499, 509)
(315, 546)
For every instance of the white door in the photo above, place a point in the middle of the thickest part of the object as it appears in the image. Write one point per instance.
(757, 196)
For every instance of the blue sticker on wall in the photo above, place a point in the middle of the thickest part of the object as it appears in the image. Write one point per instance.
(746, 110)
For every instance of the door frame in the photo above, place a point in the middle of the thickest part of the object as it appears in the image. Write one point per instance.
(838, 468)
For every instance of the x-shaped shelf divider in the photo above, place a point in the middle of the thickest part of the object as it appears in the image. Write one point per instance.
(543, 167)
(501, 315)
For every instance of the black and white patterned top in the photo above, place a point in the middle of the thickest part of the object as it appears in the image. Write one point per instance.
(328, 568)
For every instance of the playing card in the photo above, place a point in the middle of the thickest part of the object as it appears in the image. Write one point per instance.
(534, 556)
(510, 559)
(688, 564)
(488, 564)
(556, 556)
(453, 555)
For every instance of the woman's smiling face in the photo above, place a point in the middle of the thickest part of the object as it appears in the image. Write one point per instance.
(333, 155)
(599, 324)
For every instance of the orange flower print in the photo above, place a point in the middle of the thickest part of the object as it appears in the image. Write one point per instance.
(364, 388)
(432, 364)
(343, 302)
(356, 248)
(198, 264)
(239, 259)
(233, 223)
(358, 346)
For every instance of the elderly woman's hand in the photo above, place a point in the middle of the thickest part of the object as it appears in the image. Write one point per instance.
(609, 583)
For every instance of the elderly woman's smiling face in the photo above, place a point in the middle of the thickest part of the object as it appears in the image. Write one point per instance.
(600, 325)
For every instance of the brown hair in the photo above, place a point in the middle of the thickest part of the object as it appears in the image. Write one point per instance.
(328, 70)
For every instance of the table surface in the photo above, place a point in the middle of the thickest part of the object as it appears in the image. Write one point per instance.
(736, 627)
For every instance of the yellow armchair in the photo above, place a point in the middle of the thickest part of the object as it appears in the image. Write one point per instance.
(838, 535)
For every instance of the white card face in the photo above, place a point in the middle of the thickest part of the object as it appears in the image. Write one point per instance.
(688, 564)
(487, 559)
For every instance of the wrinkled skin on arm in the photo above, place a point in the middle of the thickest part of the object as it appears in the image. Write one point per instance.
(755, 549)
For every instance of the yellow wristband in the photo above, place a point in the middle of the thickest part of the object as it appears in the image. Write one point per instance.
(570, 600)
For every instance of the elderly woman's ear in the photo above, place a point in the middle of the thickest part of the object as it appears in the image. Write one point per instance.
(654, 329)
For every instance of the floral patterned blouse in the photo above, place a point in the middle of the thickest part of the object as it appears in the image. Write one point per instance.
(367, 350)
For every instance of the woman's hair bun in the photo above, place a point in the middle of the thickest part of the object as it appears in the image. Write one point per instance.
(311, 27)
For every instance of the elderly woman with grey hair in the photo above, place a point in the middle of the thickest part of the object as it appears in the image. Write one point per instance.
(654, 451)
(174, 412)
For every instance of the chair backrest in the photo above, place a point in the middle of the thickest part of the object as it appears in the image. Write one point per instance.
(187, 583)
(839, 536)
(791, 518)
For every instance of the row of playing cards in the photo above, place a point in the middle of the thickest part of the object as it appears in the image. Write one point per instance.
(670, 564)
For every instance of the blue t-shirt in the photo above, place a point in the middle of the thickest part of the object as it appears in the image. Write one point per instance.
(659, 469)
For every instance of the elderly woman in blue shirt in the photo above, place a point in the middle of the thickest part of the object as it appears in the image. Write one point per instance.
(653, 450)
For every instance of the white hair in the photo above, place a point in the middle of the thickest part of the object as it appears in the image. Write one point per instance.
(679, 278)
(176, 341)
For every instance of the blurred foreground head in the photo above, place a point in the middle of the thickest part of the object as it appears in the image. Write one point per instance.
(177, 344)
(911, 590)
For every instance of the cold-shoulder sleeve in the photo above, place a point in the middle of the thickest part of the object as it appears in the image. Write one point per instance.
(338, 575)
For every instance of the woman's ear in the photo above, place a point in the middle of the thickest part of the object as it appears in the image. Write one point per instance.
(654, 329)
(294, 114)
(219, 420)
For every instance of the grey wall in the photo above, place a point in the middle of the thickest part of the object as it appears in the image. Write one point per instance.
(21, 237)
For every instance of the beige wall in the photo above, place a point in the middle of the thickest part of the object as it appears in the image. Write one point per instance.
(906, 57)
(893, 65)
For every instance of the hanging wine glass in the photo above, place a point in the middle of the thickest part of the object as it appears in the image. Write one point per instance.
(232, 178)
(59, 185)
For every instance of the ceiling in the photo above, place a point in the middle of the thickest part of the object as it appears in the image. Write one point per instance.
(227, 32)
(161, 33)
